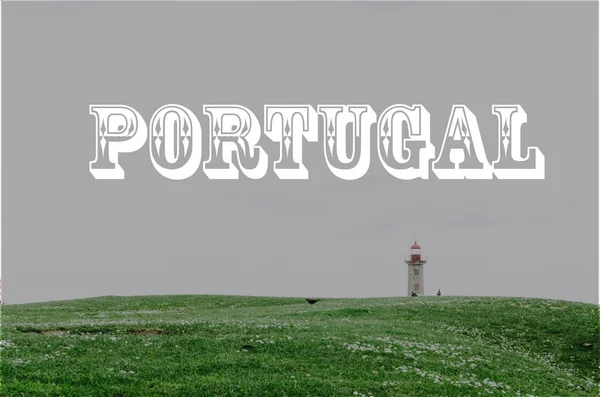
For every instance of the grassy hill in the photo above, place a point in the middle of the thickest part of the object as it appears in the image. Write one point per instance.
(243, 346)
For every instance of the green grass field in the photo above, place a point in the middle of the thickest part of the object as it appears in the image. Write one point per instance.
(243, 346)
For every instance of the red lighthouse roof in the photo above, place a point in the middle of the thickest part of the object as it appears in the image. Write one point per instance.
(415, 246)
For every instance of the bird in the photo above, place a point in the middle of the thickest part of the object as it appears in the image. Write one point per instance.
(413, 293)
(312, 301)
(439, 293)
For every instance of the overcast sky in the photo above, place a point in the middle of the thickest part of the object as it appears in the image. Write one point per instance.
(67, 235)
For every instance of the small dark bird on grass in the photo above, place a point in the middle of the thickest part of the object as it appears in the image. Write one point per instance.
(413, 294)
(312, 301)
(439, 293)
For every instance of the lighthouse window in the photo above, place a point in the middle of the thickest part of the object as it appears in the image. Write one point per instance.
(415, 271)
(416, 288)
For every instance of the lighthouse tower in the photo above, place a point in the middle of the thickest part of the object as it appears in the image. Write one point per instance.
(415, 262)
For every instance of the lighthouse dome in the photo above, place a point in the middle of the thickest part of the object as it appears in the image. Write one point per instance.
(415, 246)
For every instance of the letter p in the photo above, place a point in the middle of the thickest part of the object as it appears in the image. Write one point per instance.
(119, 129)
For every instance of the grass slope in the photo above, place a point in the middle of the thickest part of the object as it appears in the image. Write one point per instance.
(245, 346)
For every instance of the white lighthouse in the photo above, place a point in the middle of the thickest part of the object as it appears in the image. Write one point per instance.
(415, 262)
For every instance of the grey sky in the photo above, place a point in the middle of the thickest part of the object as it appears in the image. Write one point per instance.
(66, 235)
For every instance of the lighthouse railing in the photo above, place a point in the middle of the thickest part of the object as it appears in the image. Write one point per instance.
(409, 258)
